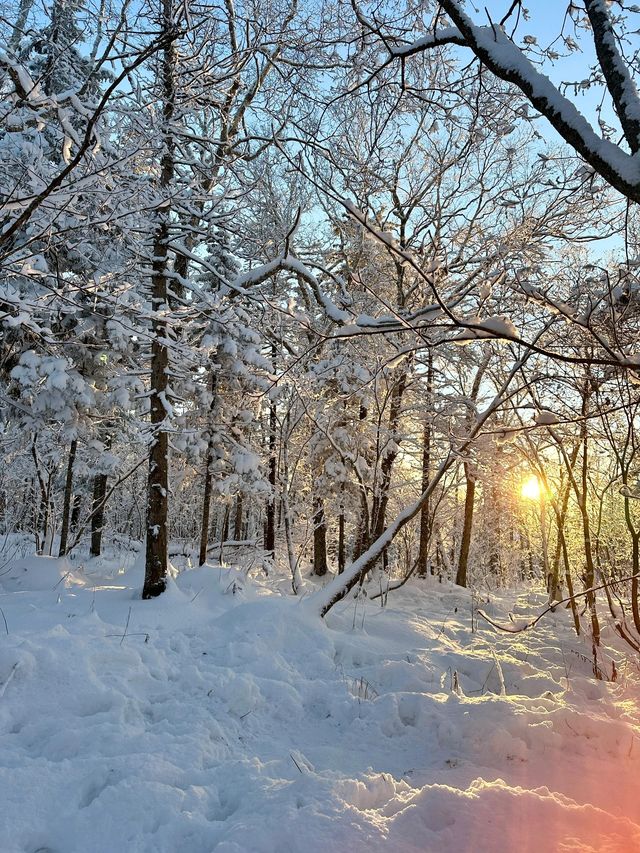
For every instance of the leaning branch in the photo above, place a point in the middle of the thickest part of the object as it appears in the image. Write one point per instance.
(493, 47)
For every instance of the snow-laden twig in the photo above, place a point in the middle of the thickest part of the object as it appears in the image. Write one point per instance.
(500, 673)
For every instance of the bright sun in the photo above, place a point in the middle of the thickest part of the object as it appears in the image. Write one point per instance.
(531, 489)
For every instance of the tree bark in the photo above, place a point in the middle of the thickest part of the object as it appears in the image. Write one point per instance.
(381, 498)
(75, 511)
(68, 493)
(270, 526)
(319, 539)
(237, 521)
(467, 527)
(208, 479)
(425, 512)
(97, 513)
(341, 553)
(43, 513)
(590, 573)
(465, 544)
(156, 562)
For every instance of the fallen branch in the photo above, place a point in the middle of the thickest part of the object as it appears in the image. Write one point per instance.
(5, 684)
(519, 629)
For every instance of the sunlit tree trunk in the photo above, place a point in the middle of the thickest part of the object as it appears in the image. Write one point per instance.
(590, 572)
(425, 512)
(470, 478)
(467, 526)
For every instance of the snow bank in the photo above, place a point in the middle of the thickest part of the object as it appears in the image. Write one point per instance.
(224, 717)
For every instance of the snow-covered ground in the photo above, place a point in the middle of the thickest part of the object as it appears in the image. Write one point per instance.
(228, 718)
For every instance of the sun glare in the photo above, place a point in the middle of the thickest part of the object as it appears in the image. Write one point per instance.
(531, 489)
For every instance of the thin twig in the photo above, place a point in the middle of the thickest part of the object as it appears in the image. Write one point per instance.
(5, 684)
(126, 626)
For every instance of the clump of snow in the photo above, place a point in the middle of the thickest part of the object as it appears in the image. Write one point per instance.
(487, 327)
(545, 418)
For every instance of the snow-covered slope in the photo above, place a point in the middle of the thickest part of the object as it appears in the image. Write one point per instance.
(228, 718)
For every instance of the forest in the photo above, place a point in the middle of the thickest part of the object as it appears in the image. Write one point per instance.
(319, 387)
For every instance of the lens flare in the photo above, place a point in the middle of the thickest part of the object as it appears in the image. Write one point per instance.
(531, 489)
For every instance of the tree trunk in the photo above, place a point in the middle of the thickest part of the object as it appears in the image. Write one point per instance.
(341, 554)
(465, 544)
(68, 492)
(270, 526)
(237, 521)
(156, 562)
(43, 513)
(97, 513)
(467, 527)
(206, 510)
(381, 498)
(425, 512)
(590, 573)
(319, 539)
(208, 479)
(635, 566)
(18, 31)
(75, 511)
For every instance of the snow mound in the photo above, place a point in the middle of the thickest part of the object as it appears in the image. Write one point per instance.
(224, 717)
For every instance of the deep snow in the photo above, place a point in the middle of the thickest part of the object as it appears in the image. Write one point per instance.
(230, 718)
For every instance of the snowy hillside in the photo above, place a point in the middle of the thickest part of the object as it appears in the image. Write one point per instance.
(227, 717)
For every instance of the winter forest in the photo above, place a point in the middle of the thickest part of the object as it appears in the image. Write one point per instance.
(319, 390)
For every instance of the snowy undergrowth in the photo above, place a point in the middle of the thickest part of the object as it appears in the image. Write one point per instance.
(226, 717)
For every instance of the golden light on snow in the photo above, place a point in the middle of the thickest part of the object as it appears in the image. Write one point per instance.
(531, 489)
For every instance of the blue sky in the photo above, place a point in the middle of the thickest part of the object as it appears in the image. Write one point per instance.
(546, 21)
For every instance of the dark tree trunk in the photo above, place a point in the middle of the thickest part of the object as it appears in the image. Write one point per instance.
(362, 538)
(341, 553)
(75, 511)
(381, 499)
(156, 563)
(590, 572)
(270, 525)
(68, 493)
(561, 514)
(97, 513)
(43, 513)
(208, 480)
(237, 521)
(569, 582)
(319, 539)
(206, 511)
(225, 524)
(467, 527)
(425, 512)
(635, 556)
